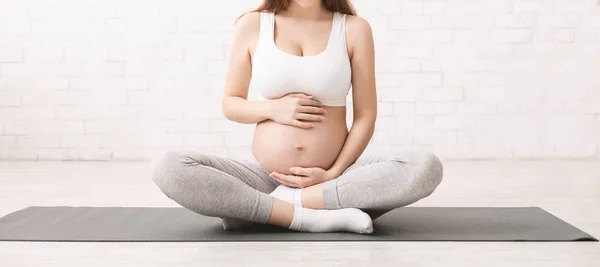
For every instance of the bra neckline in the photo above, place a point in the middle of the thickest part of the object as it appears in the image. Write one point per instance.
(272, 40)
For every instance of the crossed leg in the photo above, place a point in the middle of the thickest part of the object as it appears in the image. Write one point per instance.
(214, 186)
(379, 184)
(237, 189)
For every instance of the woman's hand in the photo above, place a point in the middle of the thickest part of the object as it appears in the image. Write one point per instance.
(297, 109)
(304, 177)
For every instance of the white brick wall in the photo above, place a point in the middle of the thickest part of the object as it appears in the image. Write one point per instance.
(122, 79)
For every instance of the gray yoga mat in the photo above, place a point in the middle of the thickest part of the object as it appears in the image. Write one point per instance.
(145, 224)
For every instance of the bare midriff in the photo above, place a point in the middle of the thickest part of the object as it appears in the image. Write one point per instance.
(278, 147)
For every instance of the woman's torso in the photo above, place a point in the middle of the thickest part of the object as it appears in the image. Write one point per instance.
(325, 76)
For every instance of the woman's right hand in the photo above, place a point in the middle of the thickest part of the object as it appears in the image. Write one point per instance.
(297, 109)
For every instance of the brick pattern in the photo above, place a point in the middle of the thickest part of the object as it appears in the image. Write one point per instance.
(466, 79)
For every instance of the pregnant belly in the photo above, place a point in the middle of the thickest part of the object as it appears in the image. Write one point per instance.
(278, 147)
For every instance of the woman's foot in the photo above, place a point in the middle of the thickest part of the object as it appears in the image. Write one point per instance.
(318, 221)
(341, 220)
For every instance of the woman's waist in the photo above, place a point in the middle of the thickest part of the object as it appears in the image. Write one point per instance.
(327, 134)
(322, 133)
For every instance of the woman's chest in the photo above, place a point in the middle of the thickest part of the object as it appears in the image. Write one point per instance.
(326, 77)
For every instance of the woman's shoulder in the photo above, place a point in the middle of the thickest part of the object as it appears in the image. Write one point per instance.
(357, 25)
(248, 23)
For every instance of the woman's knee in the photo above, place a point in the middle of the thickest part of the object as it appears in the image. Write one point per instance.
(169, 168)
(426, 170)
(163, 167)
(433, 169)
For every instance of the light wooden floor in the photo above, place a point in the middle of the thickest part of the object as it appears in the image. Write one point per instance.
(568, 189)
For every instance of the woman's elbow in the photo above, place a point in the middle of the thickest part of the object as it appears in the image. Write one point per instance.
(226, 107)
(367, 119)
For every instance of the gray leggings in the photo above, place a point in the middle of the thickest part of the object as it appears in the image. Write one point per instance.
(222, 187)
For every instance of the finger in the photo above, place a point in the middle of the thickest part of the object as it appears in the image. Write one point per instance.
(302, 171)
(309, 117)
(304, 125)
(310, 102)
(301, 95)
(276, 177)
(286, 178)
(285, 183)
(312, 110)
(292, 179)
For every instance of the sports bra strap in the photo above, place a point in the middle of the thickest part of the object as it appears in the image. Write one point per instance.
(339, 28)
(338, 34)
(267, 26)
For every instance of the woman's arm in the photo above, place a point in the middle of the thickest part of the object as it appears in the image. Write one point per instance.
(236, 107)
(364, 97)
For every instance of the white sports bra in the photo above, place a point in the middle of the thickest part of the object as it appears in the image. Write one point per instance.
(326, 76)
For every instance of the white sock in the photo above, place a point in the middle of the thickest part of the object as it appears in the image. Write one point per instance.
(291, 195)
(319, 221)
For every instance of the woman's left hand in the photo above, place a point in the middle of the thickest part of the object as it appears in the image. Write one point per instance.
(304, 177)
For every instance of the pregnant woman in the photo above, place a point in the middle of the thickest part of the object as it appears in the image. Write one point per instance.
(307, 173)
